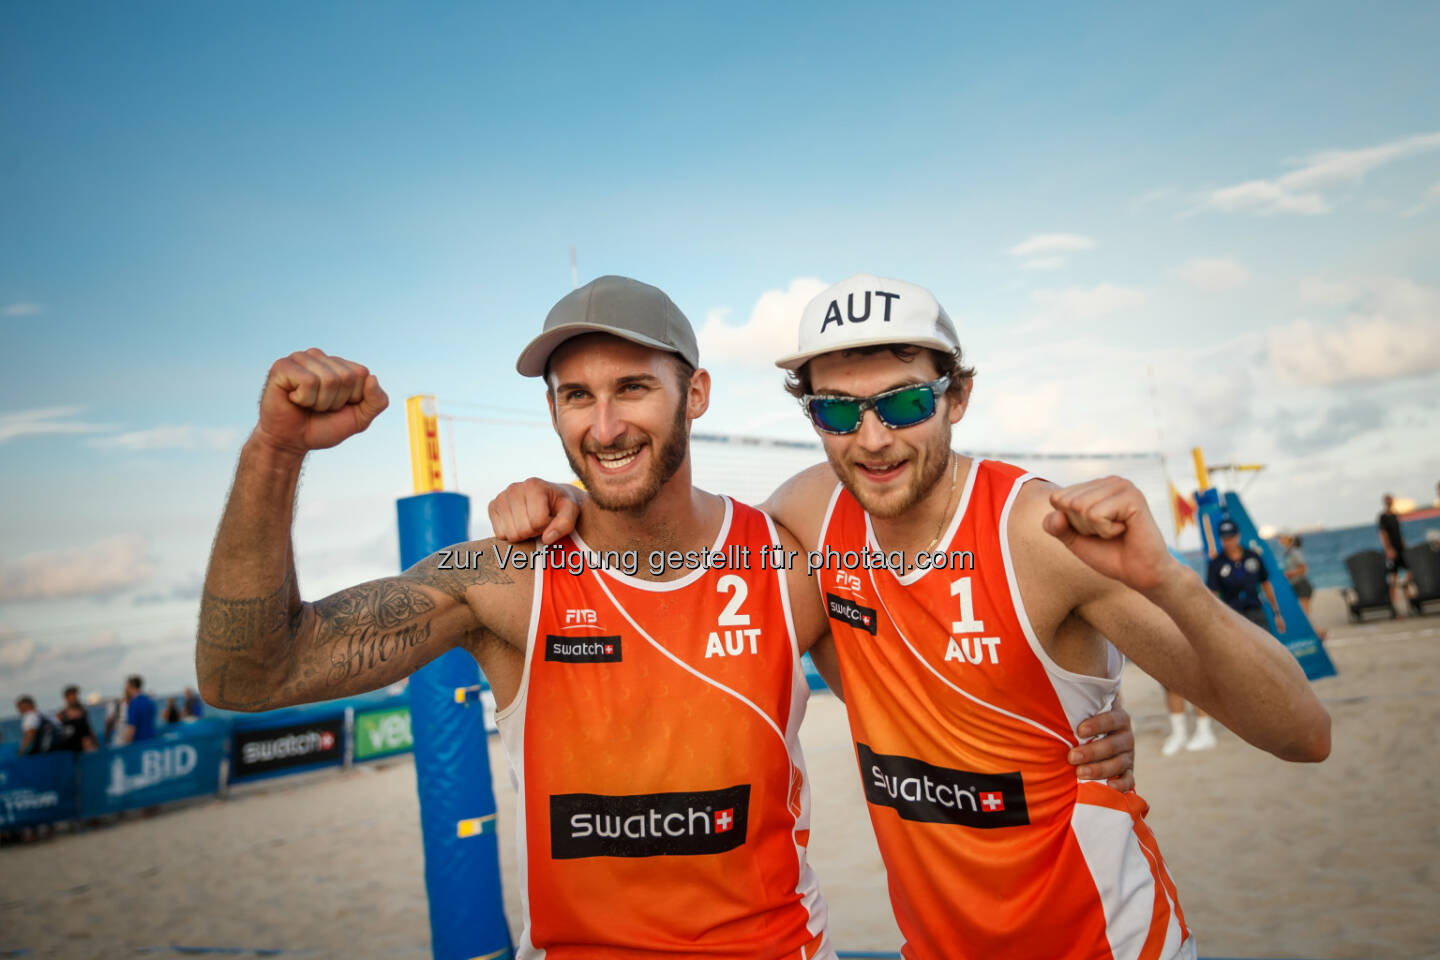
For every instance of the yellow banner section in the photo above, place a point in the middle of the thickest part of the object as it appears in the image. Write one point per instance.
(424, 443)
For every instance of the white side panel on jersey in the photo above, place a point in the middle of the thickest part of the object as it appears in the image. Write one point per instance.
(1080, 695)
(807, 887)
(511, 722)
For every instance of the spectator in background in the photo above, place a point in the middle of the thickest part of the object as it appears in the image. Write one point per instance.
(194, 707)
(37, 731)
(1296, 571)
(140, 713)
(75, 731)
(1237, 575)
(172, 711)
(1393, 541)
(117, 731)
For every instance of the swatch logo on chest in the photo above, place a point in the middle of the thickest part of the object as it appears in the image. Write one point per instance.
(925, 793)
(689, 823)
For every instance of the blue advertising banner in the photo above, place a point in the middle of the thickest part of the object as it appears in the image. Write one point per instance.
(37, 789)
(172, 767)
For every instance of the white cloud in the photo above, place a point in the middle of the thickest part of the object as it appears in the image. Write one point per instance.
(1266, 196)
(1043, 243)
(1301, 190)
(1043, 263)
(769, 333)
(16, 650)
(1214, 276)
(1431, 198)
(43, 421)
(102, 568)
(1327, 293)
(1391, 330)
(21, 308)
(171, 438)
(1087, 303)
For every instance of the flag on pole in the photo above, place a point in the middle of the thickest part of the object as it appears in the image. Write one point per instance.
(1181, 509)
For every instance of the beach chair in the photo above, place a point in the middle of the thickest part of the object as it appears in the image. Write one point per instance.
(1371, 591)
(1424, 562)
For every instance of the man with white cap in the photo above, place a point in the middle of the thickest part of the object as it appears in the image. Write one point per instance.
(650, 712)
(967, 670)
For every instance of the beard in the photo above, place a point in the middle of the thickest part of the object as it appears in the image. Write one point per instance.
(893, 503)
(669, 455)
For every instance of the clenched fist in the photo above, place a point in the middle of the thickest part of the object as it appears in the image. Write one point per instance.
(1108, 525)
(313, 400)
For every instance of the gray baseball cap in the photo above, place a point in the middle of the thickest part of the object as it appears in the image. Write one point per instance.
(620, 306)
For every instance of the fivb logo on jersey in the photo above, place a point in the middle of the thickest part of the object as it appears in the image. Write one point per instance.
(649, 824)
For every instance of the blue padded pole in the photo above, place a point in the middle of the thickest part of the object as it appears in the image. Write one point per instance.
(1300, 637)
(452, 767)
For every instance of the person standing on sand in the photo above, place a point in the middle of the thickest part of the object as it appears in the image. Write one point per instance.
(1397, 570)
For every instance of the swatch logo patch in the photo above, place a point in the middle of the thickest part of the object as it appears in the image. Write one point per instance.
(929, 794)
(692, 823)
(850, 613)
(582, 649)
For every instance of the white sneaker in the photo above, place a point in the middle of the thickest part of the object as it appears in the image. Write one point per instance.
(1173, 743)
(1203, 739)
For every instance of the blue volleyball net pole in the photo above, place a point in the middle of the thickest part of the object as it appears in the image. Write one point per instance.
(1299, 637)
(452, 753)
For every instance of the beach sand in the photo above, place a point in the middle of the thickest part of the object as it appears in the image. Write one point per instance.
(1271, 859)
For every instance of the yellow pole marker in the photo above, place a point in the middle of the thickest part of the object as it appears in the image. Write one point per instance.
(1202, 476)
(424, 443)
(475, 826)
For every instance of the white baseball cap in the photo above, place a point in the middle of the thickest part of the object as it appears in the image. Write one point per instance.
(866, 310)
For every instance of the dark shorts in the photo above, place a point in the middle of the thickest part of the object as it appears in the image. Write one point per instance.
(1302, 587)
(1256, 615)
(1396, 563)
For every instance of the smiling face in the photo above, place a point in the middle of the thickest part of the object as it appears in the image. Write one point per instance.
(887, 470)
(623, 416)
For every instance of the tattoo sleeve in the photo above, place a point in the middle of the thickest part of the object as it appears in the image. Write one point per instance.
(257, 649)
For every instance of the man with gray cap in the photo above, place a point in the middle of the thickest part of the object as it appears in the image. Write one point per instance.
(664, 803)
(968, 667)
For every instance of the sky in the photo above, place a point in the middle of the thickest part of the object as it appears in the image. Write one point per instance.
(1155, 227)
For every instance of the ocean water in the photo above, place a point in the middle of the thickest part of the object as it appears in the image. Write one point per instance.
(1325, 550)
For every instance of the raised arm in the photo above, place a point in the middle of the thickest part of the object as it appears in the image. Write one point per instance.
(1121, 579)
(258, 646)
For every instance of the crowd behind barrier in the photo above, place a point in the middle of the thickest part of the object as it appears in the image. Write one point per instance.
(203, 756)
(200, 757)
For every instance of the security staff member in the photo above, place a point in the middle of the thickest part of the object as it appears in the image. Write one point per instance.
(1237, 575)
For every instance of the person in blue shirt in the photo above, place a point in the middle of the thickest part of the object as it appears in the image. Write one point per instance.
(140, 713)
(1237, 575)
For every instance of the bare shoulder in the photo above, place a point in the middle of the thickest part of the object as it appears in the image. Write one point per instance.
(800, 502)
(1040, 558)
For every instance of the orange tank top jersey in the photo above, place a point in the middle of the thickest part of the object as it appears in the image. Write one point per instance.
(664, 809)
(962, 724)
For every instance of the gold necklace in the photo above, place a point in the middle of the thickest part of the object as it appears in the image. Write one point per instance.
(945, 514)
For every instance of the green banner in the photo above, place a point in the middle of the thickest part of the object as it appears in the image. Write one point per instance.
(379, 732)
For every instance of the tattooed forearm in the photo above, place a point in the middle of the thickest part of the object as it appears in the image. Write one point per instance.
(239, 623)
